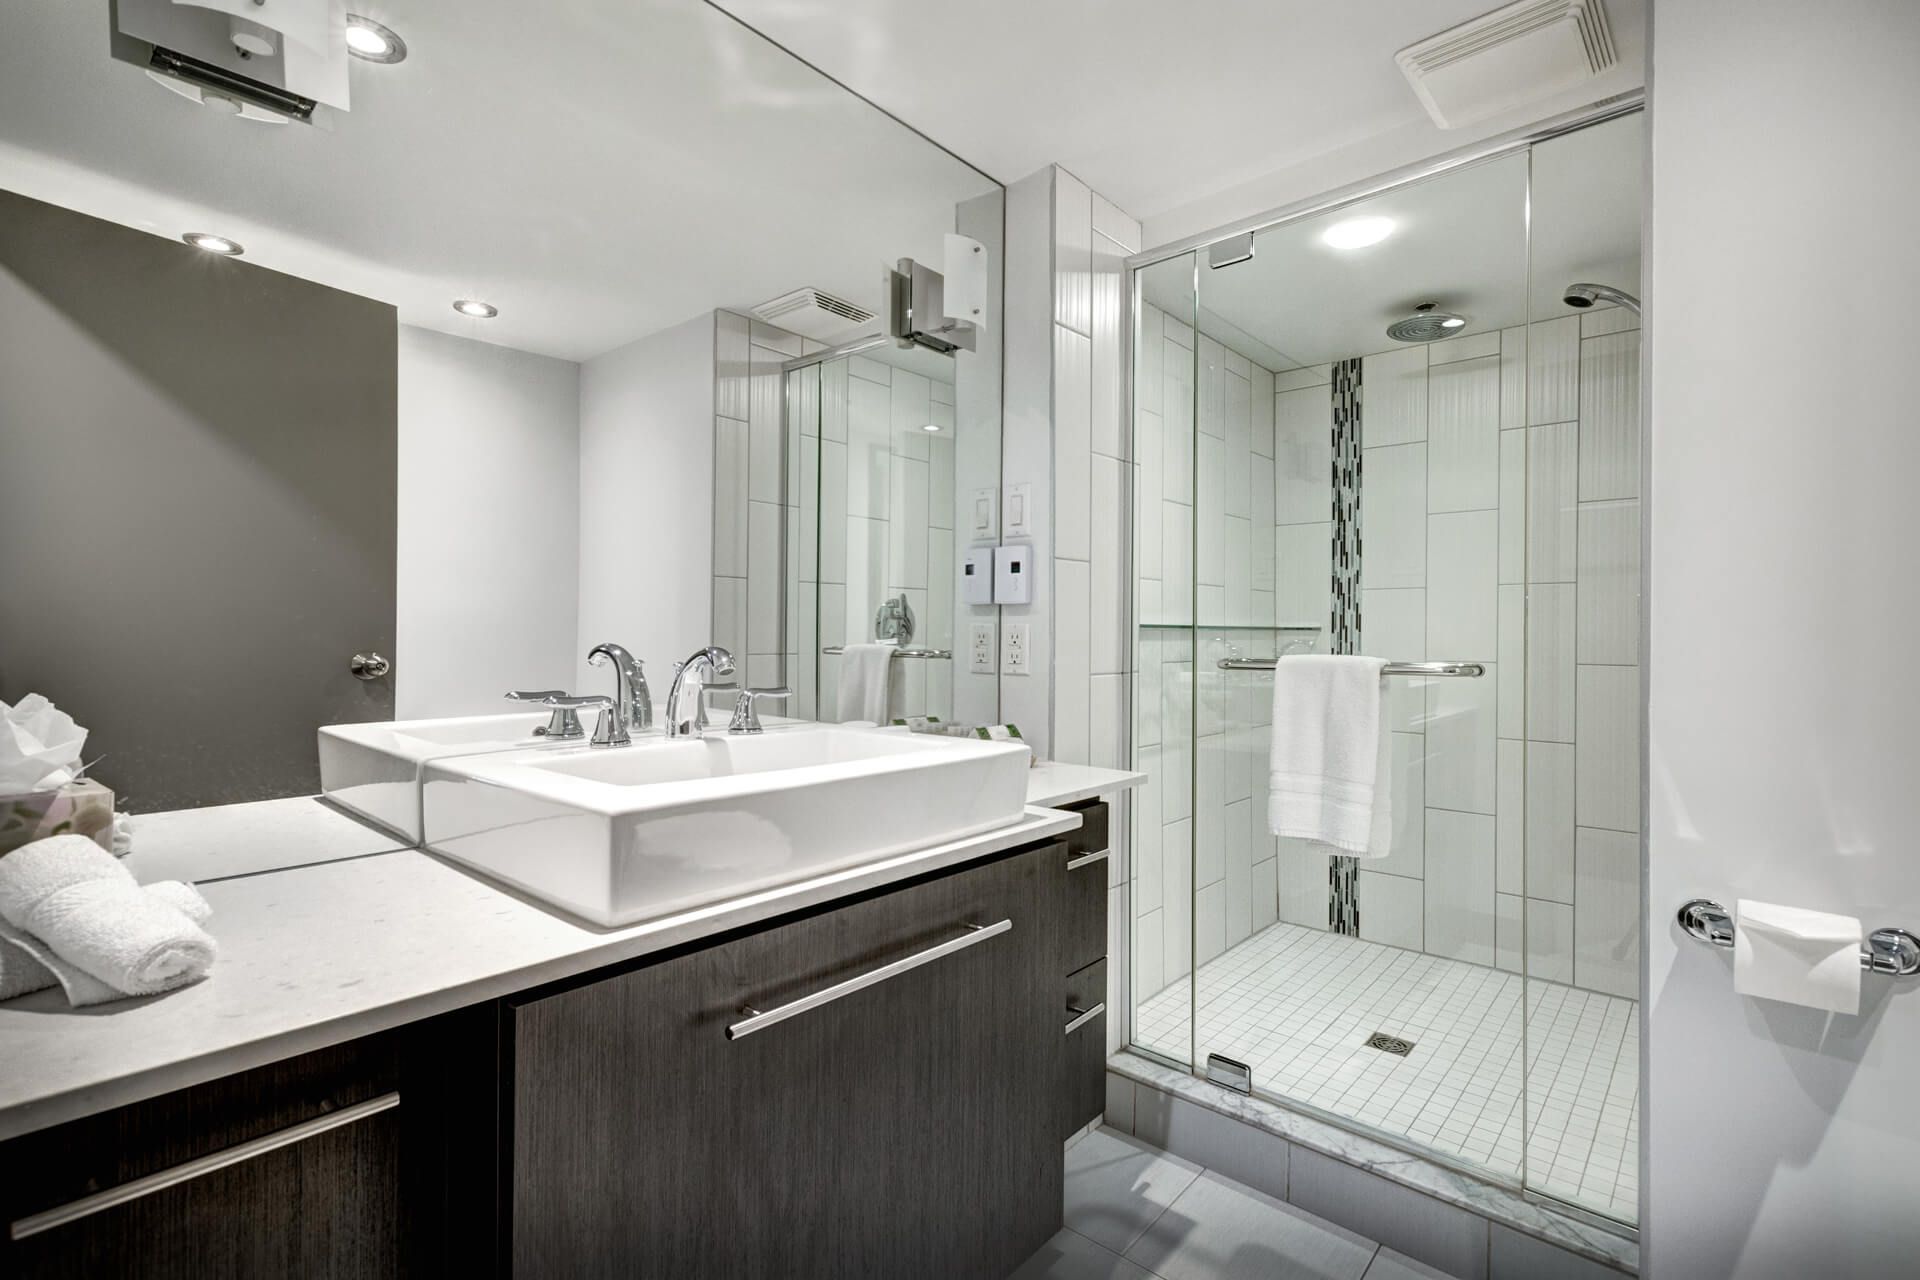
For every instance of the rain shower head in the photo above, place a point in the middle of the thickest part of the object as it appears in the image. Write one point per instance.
(1426, 324)
(1586, 295)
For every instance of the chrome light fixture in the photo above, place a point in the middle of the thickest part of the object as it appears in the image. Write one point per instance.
(475, 308)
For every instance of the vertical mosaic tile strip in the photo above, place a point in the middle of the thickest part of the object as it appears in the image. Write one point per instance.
(1343, 630)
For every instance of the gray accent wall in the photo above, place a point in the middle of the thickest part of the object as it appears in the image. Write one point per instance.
(197, 505)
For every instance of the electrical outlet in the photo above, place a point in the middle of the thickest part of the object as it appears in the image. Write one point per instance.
(1014, 643)
(980, 659)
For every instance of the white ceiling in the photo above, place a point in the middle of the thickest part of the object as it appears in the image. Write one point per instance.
(598, 171)
(1152, 104)
(1460, 240)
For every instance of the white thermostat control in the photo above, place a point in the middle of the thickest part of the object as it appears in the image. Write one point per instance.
(1012, 575)
(976, 576)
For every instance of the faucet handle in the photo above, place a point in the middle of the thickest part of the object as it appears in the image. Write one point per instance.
(565, 720)
(746, 709)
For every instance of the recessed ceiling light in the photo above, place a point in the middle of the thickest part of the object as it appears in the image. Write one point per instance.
(369, 40)
(478, 310)
(1357, 233)
(213, 244)
(931, 426)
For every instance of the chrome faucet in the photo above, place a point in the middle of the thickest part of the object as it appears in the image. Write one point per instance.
(686, 716)
(632, 700)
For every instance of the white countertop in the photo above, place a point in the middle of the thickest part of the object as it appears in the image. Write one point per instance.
(1053, 784)
(321, 951)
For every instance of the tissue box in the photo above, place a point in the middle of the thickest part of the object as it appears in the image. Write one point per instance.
(83, 808)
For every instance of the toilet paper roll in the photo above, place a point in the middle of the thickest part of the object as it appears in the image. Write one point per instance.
(1803, 957)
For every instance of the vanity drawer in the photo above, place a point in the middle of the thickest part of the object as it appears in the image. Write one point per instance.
(1084, 939)
(1083, 1092)
(289, 1169)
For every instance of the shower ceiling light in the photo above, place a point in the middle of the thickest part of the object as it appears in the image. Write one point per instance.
(213, 243)
(1357, 233)
(475, 308)
(368, 40)
(931, 426)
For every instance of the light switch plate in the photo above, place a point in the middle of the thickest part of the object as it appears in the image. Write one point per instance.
(980, 649)
(1019, 510)
(1015, 644)
(984, 524)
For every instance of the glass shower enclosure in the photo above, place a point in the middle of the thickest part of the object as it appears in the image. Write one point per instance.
(1400, 428)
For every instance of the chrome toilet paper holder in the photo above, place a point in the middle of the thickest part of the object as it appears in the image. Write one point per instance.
(1890, 951)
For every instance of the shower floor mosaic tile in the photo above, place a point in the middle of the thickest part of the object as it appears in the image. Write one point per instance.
(1299, 1006)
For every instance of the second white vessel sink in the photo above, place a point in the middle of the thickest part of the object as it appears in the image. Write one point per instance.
(627, 834)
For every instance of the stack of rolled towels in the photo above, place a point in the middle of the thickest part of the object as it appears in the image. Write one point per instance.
(71, 914)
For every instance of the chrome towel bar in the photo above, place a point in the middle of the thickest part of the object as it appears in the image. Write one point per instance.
(1392, 668)
(758, 1021)
(901, 653)
(1892, 951)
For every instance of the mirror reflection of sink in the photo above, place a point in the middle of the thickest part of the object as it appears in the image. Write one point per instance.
(664, 826)
(373, 769)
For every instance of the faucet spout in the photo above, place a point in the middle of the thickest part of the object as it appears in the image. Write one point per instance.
(683, 698)
(632, 702)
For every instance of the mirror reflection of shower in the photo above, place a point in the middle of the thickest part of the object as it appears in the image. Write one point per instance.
(1587, 295)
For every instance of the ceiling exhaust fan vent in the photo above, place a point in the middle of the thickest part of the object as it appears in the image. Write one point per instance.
(812, 314)
(1514, 55)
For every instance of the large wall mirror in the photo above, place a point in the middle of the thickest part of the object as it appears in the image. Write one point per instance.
(543, 329)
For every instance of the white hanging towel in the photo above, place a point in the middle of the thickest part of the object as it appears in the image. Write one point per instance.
(872, 683)
(1332, 768)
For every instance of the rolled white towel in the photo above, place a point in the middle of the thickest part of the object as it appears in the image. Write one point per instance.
(20, 970)
(75, 899)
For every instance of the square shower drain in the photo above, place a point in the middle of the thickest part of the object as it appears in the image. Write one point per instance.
(1389, 1044)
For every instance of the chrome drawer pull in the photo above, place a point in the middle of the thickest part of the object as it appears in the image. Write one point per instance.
(1086, 1016)
(126, 1192)
(977, 933)
(1087, 859)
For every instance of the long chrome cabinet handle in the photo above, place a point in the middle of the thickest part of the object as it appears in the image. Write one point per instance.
(74, 1210)
(1085, 1016)
(1088, 859)
(976, 934)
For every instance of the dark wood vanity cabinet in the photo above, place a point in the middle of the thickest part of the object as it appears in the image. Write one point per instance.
(904, 1128)
(903, 1121)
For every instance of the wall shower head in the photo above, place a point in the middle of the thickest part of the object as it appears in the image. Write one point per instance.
(1586, 295)
(1426, 324)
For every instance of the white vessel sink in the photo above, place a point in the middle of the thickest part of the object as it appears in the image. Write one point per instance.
(627, 834)
(373, 769)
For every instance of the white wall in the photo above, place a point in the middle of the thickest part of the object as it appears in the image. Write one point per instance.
(489, 478)
(1783, 610)
(646, 502)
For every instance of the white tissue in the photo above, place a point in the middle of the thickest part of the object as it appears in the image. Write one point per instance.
(1803, 957)
(39, 746)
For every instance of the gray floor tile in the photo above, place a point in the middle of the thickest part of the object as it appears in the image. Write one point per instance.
(1213, 1141)
(1071, 1256)
(1388, 1265)
(1440, 1235)
(1220, 1230)
(1116, 1187)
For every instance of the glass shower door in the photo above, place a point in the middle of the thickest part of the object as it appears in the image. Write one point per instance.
(1352, 377)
